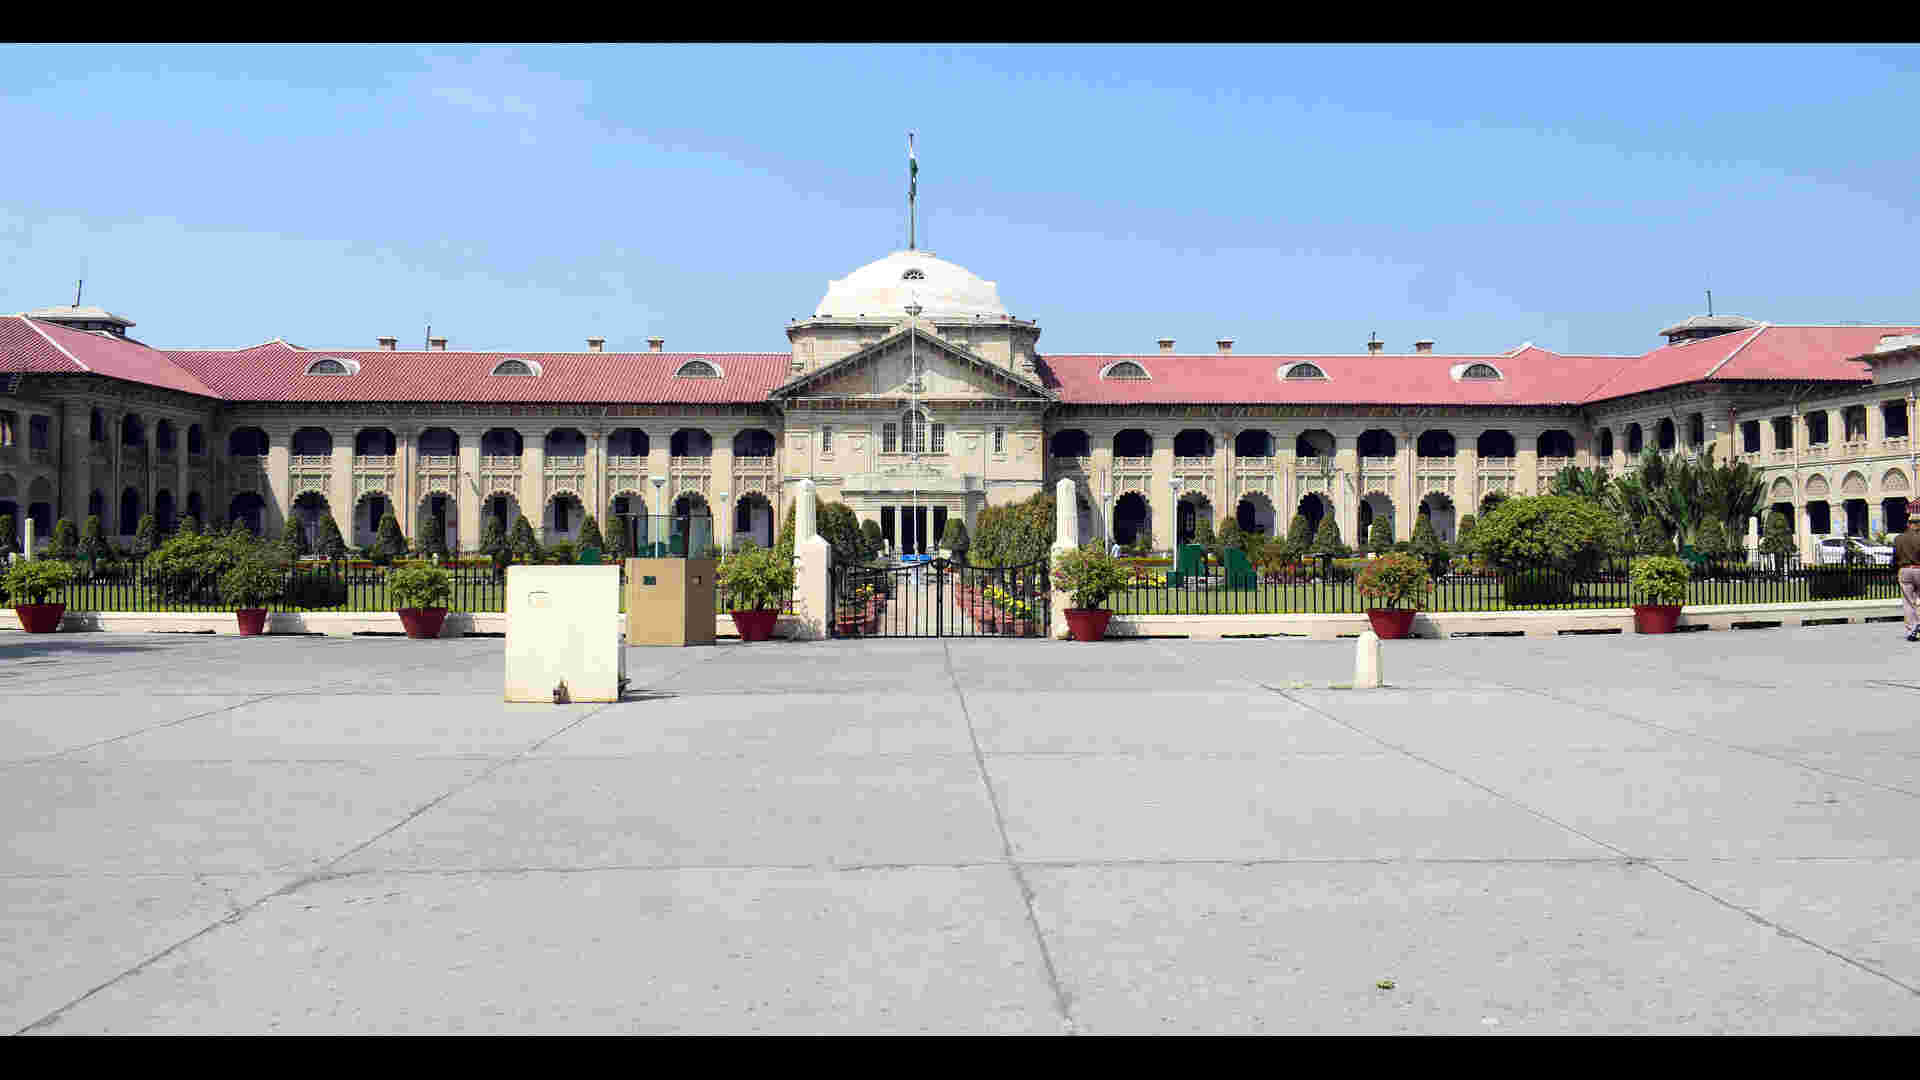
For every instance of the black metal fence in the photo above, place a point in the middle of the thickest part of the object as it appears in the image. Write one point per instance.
(311, 585)
(940, 598)
(1330, 586)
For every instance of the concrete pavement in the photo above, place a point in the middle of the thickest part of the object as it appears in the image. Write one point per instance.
(1708, 832)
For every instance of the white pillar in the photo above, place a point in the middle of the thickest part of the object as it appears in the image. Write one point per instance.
(28, 549)
(813, 592)
(1066, 537)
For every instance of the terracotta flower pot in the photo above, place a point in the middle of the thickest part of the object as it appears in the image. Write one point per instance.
(422, 623)
(755, 625)
(1088, 624)
(1391, 623)
(1655, 618)
(40, 618)
(253, 621)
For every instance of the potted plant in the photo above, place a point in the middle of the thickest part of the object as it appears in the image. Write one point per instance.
(420, 595)
(1399, 582)
(249, 587)
(1088, 576)
(30, 582)
(759, 580)
(1660, 583)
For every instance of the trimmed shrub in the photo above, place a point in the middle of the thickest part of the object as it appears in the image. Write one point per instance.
(1492, 501)
(616, 537)
(524, 545)
(93, 540)
(8, 531)
(188, 524)
(1396, 581)
(332, 544)
(1427, 545)
(420, 587)
(1660, 579)
(1016, 534)
(954, 539)
(188, 567)
(1326, 541)
(1089, 576)
(1464, 533)
(1710, 539)
(590, 535)
(388, 542)
(493, 542)
(1778, 540)
(563, 553)
(294, 538)
(431, 537)
(870, 533)
(1203, 534)
(33, 581)
(256, 582)
(757, 578)
(1299, 536)
(66, 539)
(1563, 533)
(1380, 536)
(316, 589)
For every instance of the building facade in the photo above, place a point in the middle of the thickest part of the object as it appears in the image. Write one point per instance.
(914, 396)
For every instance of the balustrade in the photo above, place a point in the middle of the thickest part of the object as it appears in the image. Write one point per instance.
(1204, 461)
(374, 461)
(310, 461)
(1135, 463)
(447, 462)
(623, 461)
(1434, 464)
(566, 462)
(1894, 442)
(1504, 466)
(1552, 465)
(493, 462)
(1072, 464)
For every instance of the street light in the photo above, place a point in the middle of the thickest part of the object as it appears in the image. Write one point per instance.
(659, 486)
(1176, 484)
(726, 532)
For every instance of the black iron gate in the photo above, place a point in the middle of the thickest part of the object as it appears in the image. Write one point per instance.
(940, 598)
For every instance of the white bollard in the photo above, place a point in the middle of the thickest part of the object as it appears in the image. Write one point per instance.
(1066, 537)
(29, 548)
(1367, 673)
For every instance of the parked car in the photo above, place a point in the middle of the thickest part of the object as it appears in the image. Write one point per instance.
(1837, 550)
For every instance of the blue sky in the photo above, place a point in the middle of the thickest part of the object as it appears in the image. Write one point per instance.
(1296, 200)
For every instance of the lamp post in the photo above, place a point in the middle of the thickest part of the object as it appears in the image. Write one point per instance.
(1176, 484)
(1106, 514)
(918, 429)
(659, 487)
(726, 533)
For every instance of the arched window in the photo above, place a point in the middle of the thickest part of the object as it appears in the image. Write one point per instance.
(1377, 443)
(247, 442)
(919, 435)
(163, 435)
(1132, 443)
(514, 367)
(133, 430)
(499, 442)
(914, 274)
(566, 443)
(1125, 369)
(753, 443)
(312, 442)
(1192, 442)
(1666, 435)
(1606, 442)
(196, 440)
(1435, 444)
(373, 442)
(697, 369)
(441, 442)
(330, 366)
(97, 426)
(1480, 371)
(690, 442)
(627, 442)
(1495, 444)
(1304, 371)
(1555, 443)
(1072, 443)
(1633, 440)
(1253, 443)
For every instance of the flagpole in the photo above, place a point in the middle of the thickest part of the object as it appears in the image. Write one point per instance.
(913, 190)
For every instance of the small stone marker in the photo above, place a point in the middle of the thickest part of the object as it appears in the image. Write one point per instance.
(1366, 661)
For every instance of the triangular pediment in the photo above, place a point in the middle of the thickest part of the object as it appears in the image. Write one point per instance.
(885, 369)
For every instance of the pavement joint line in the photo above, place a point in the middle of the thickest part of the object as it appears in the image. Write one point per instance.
(1652, 864)
(41, 759)
(1062, 1001)
(320, 873)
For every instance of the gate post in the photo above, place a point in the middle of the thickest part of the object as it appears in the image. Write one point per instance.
(1066, 537)
(812, 559)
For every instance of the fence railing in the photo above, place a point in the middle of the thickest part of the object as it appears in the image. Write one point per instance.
(1320, 586)
(311, 585)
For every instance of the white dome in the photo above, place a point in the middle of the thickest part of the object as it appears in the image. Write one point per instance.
(886, 287)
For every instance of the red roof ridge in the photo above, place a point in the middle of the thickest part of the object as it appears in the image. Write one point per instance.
(1752, 336)
(38, 329)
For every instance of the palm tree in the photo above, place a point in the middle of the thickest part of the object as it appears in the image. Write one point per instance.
(1591, 484)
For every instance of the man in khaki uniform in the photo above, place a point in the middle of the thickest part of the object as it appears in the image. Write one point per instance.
(1906, 556)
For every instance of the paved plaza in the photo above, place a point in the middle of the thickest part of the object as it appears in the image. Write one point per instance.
(1707, 832)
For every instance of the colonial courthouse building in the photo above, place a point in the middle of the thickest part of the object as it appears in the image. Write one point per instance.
(914, 396)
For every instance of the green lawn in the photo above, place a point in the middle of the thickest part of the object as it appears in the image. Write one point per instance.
(1267, 599)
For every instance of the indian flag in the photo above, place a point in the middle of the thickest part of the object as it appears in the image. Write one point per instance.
(913, 169)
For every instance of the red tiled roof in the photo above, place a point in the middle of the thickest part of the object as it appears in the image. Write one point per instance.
(99, 353)
(1765, 352)
(1532, 376)
(277, 372)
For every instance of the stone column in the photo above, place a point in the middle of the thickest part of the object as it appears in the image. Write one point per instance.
(1066, 537)
(1286, 462)
(722, 480)
(1165, 517)
(340, 487)
(533, 481)
(76, 473)
(813, 593)
(1466, 479)
(660, 463)
(1526, 466)
(183, 463)
(1347, 489)
(1406, 500)
(1099, 480)
(468, 497)
(279, 497)
(595, 497)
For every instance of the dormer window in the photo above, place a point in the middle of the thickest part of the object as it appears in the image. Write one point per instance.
(1125, 369)
(1481, 371)
(914, 275)
(516, 367)
(1304, 371)
(697, 369)
(332, 366)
